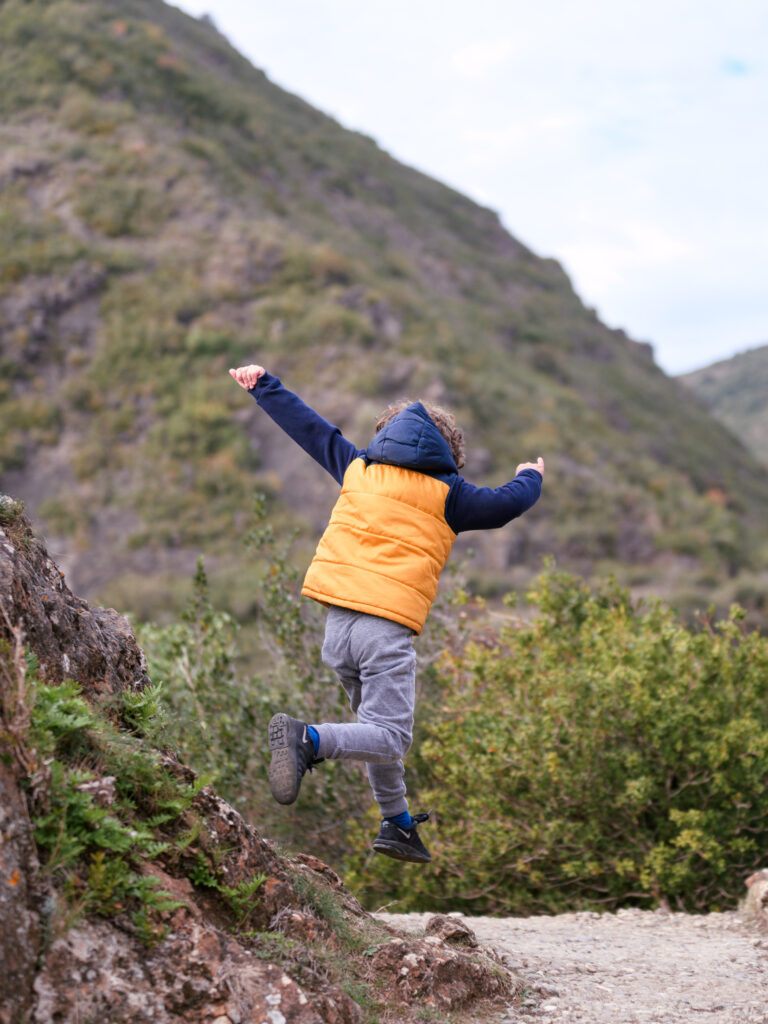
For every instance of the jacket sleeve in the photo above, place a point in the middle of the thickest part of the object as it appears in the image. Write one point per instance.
(319, 438)
(487, 508)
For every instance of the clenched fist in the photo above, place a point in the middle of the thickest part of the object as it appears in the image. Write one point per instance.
(248, 376)
(538, 465)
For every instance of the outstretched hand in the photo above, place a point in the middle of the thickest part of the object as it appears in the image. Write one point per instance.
(248, 376)
(538, 465)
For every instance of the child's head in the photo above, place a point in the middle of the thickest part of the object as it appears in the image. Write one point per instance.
(443, 420)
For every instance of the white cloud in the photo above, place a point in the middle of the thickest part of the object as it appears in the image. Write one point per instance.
(604, 259)
(522, 134)
(477, 60)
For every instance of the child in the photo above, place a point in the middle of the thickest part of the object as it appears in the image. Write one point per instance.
(376, 568)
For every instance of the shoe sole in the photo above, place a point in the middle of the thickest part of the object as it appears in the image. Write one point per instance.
(283, 769)
(400, 852)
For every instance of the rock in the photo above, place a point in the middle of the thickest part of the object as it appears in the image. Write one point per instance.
(297, 924)
(100, 969)
(96, 972)
(320, 868)
(452, 930)
(20, 931)
(756, 904)
(38, 309)
(102, 790)
(15, 165)
(70, 639)
(440, 977)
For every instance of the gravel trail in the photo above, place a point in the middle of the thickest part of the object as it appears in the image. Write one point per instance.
(632, 967)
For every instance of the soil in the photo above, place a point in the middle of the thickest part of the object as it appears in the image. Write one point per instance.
(643, 967)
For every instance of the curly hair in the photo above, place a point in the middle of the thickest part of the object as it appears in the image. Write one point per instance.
(443, 420)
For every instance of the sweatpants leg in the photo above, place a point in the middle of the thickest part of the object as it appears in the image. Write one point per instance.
(376, 663)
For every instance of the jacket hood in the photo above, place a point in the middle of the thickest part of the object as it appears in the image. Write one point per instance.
(411, 440)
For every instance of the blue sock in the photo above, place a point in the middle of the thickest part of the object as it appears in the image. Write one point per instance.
(315, 737)
(404, 820)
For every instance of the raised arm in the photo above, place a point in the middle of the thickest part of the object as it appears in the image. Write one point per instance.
(319, 438)
(487, 508)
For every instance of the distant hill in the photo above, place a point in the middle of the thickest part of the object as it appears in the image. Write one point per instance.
(736, 392)
(167, 212)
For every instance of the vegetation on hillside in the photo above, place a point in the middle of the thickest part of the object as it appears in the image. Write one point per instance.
(736, 392)
(586, 752)
(168, 212)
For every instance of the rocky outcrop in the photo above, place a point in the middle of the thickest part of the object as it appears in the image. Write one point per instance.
(70, 639)
(203, 959)
(432, 972)
(198, 974)
(20, 929)
(40, 308)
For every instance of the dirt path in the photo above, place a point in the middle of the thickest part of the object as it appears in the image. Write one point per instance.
(633, 967)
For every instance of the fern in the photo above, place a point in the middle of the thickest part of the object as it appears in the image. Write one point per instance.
(60, 713)
(143, 707)
(241, 898)
(99, 823)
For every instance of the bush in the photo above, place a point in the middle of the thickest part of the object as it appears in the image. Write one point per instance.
(215, 712)
(197, 428)
(598, 755)
(118, 207)
(205, 717)
(31, 242)
(98, 801)
(336, 325)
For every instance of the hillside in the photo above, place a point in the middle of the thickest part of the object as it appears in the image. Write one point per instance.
(132, 892)
(735, 391)
(167, 212)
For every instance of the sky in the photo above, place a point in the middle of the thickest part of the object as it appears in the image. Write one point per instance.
(628, 139)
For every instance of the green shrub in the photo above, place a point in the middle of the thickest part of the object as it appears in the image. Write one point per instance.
(12, 454)
(11, 510)
(120, 207)
(216, 710)
(204, 340)
(242, 898)
(197, 428)
(316, 266)
(81, 112)
(31, 242)
(332, 324)
(596, 755)
(97, 804)
(204, 716)
(26, 420)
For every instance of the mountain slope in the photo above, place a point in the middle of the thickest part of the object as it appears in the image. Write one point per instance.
(167, 212)
(736, 392)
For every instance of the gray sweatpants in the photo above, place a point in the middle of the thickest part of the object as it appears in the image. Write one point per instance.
(376, 664)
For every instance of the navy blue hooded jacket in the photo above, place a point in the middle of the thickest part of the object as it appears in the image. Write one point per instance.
(402, 504)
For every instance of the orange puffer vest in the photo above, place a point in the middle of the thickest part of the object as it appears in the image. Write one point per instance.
(388, 540)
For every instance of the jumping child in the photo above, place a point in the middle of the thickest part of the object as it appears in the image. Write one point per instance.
(376, 568)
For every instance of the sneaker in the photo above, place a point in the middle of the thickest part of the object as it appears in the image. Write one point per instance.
(293, 754)
(403, 843)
